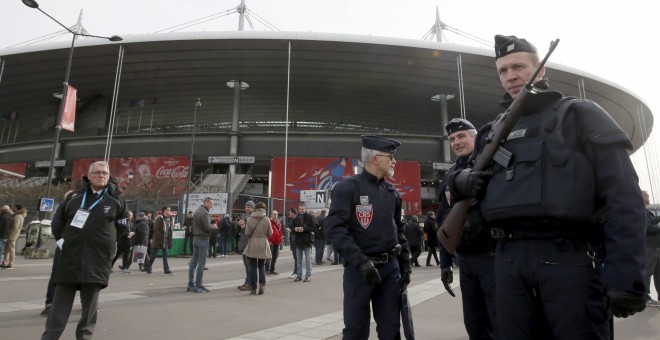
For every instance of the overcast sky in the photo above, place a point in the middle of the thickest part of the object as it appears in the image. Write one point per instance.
(615, 40)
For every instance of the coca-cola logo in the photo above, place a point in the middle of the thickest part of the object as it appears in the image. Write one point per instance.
(176, 172)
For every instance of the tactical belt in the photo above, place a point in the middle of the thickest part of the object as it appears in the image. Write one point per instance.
(382, 258)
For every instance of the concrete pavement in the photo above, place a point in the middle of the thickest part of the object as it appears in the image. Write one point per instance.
(139, 306)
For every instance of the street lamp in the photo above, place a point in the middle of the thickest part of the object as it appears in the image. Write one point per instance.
(58, 126)
(192, 150)
(443, 98)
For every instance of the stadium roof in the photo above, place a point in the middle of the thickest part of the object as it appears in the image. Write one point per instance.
(338, 85)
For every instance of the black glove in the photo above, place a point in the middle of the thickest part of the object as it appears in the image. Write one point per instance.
(469, 183)
(447, 277)
(405, 281)
(623, 303)
(369, 273)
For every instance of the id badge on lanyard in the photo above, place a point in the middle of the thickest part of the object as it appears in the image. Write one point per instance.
(80, 218)
(82, 214)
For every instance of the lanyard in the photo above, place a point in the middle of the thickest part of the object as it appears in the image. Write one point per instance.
(82, 204)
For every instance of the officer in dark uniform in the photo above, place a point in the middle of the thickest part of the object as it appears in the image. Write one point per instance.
(476, 248)
(365, 227)
(566, 207)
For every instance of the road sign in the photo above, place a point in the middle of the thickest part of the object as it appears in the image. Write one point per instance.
(231, 159)
(46, 164)
(314, 199)
(46, 204)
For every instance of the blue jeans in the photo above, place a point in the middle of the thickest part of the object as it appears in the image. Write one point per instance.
(223, 245)
(197, 261)
(308, 261)
(246, 264)
(3, 243)
(319, 244)
(154, 253)
(256, 265)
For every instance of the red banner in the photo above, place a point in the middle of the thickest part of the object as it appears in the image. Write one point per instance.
(17, 168)
(323, 173)
(131, 170)
(69, 114)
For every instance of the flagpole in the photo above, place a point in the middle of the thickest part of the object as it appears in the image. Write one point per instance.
(128, 121)
(140, 120)
(58, 127)
(16, 131)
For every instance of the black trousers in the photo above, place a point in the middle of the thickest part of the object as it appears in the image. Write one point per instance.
(478, 295)
(60, 310)
(432, 252)
(415, 251)
(50, 291)
(549, 289)
(187, 242)
(125, 251)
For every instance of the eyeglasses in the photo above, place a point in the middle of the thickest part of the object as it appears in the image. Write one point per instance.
(101, 173)
(390, 156)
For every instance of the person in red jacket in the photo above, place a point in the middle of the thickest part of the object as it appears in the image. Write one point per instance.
(275, 241)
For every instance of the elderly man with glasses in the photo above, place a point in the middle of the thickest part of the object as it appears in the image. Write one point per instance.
(365, 227)
(85, 227)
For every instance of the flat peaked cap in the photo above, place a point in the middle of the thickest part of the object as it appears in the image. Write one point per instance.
(507, 44)
(379, 143)
(458, 124)
(141, 216)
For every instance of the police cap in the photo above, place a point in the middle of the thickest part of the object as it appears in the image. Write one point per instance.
(507, 44)
(379, 143)
(458, 124)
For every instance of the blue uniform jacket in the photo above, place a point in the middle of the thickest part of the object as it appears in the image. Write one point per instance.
(365, 218)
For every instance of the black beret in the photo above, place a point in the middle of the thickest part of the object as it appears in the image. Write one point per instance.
(507, 44)
(458, 124)
(379, 143)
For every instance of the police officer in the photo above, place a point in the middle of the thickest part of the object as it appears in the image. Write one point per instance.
(566, 208)
(364, 226)
(476, 248)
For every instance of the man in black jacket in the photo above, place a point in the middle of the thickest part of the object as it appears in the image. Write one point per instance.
(6, 222)
(85, 230)
(187, 236)
(431, 230)
(415, 236)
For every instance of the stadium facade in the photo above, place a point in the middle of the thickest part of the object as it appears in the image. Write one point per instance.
(263, 95)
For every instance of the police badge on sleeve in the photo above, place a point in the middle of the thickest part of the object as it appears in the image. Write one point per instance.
(364, 212)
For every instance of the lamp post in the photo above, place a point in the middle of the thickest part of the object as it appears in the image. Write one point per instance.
(192, 151)
(58, 126)
(443, 98)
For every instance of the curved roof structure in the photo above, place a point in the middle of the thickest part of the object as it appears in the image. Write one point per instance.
(332, 86)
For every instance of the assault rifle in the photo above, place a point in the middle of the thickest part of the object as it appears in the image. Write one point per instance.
(450, 232)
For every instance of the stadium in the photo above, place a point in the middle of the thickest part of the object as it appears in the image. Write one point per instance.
(236, 102)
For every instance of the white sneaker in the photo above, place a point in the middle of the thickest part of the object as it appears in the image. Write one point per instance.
(293, 276)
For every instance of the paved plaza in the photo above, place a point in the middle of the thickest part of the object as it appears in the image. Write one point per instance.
(158, 307)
